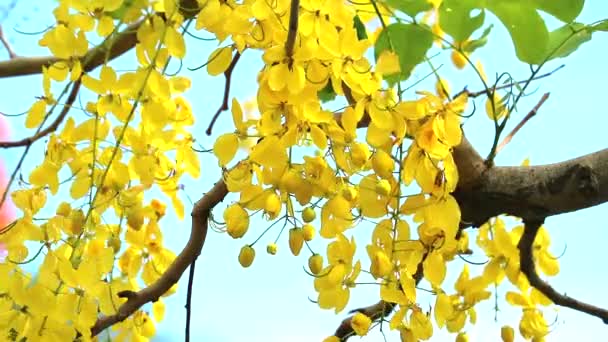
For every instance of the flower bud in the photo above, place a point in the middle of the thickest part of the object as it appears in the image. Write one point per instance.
(315, 263)
(246, 256)
(308, 215)
(271, 248)
(308, 232)
(296, 240)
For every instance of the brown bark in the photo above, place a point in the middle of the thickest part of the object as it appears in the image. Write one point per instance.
(534, 192)
(114, 47)
(528, 268)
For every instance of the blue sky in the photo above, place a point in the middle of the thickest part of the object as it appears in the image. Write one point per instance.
(270, 300)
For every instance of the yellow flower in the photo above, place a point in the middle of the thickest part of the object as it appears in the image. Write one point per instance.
(383, 164)
(273, 205)
(237, 221)
(360, 324)
(332, 339)
(381, 264)
(442, 88)
(496, 107)
(459, 60)
(388, 63)
(225, 148)
(383, 187)
(308, 232)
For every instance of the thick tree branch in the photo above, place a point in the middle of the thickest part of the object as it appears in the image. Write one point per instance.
(469, 163)
(535, 192)
(376, 312)
(135, 300)
(527, 267)
(114, 47)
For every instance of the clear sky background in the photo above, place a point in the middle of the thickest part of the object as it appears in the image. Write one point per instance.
(270, 300)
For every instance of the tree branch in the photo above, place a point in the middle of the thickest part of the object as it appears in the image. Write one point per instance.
(469, 163)
(115, 47)
(224, 105)
(135, 300)
(294, 12)
(376, 311)
(7, 46)
(529, 116)
(535, 192)
(473, 94)
(527, 267)
(189, 300)
(52, 127)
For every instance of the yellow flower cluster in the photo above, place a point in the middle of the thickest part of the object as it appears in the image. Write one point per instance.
(399, 173)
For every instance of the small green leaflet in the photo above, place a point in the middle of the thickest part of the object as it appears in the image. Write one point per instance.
(601, 25)
(475, 44)
(567, 39)
(522, 18)
(327, 93)
(409, 41)
(119, 13)
(360, 27)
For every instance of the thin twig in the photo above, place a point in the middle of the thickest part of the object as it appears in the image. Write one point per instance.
(27, 142)
(293, 27)
(224, 105)
(52, 127)
(7, 46)
(529, 269)
(376, 311)
(533, 112)
(473, 94)
(198, 233)
(189, 299)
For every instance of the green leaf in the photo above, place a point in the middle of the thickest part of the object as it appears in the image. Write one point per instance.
(360, 27)
(120, 12)
(410, 7)
(600, 26)
(455, 18)
(409, 41)
(475, 44)
(567, 39)
(527, 28)
(327, 93)
(564, 10)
